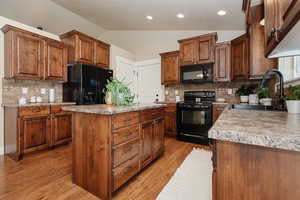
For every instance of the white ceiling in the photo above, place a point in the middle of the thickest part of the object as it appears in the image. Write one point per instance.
(131, 14)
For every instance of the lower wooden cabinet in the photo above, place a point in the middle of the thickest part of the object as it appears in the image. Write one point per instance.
(170, 120)
(217, 111)
(61, 127)
(158, 138)
(147, 135)
(35, 133)
(29, 129)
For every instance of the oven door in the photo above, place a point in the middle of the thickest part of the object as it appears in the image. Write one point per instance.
(193, 121)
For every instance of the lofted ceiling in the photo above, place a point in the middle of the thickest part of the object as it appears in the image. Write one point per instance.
(131, 14)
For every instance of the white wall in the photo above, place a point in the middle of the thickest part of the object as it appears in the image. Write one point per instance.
(115, 52)
(148, 44)
(53, 17)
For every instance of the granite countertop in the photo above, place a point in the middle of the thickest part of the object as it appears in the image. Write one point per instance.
(220, 103)
(104, 109)
(166, 102)
(279, 130)
(39, 104)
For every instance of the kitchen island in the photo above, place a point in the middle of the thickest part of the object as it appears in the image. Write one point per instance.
(256, 155)
(111, 144)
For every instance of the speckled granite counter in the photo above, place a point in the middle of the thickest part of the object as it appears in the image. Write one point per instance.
(269, 129)
(40, 104)
(109, 110)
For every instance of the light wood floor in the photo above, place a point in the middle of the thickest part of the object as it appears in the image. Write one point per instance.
(47, 175)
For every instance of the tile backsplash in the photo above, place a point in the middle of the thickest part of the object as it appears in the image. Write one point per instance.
(12, 90)
(222, 90)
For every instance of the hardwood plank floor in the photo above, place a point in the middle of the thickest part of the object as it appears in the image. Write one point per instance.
(47, 175)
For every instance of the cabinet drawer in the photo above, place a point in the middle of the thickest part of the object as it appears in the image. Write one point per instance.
(125, 151)
(170, 108)
(125, 171)
(126, 119)
(34, 110)
(125, 134)
(151, 114)
(58, 109)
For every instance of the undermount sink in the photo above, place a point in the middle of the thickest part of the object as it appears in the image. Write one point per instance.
(252, 107)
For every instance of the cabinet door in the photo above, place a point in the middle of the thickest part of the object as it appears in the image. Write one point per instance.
(188, 52)
(28, 56)
(222, 62)
(170, 68)
(35, 133)
(240, 58)
(270, 19)
(170, 123)
(85, 49)
(205, 50)
(158, 137)
(101, 54)
(56, 61)
(61, 128)
(147, 137)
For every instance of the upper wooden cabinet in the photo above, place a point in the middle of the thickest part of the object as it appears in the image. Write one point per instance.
(85, 49)
(32, 56)
(240, 58)
(222, 68)
(280, 17)
(259, 64)
(170, 73)
(56, 61)
(198, 50)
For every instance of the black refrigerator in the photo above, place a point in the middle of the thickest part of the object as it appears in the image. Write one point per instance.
(85, 84)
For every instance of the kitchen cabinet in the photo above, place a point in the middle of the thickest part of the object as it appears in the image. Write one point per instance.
(85, 49)
(240, 58)
(147, 136)
(101, 52)
(158, 137)
(259, 64)
(197, 50)
(61, 128)
(170, 120)
(56, 61)
(217, 111)
(32, 56)
(280, 17)
(122, 146)
(35, 133)
(170, 73)
(240, 170)
(30, 129)
(222, 67)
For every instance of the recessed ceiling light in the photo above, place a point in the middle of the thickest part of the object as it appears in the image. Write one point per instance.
(180, 15)
(149, 17)
(221, 12)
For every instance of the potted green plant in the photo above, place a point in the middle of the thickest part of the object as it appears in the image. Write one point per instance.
(265, 96)
(244, 92)
(118, 93)
(293, 99)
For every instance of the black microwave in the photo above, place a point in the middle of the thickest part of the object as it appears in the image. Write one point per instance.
(197, 73)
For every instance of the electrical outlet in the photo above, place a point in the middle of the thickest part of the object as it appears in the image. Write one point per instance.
(176, 92)
(229, 91)
(43, 91)
(24, 90)
(167, 92)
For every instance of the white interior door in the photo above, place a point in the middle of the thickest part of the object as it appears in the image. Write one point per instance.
(127, 72)
(149, 81)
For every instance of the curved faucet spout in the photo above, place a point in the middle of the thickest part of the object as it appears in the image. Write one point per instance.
(279, 74)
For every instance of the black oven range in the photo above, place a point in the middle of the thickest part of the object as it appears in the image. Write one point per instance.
(194, 116)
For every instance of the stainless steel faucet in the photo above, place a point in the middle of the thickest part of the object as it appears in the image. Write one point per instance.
(281, 95)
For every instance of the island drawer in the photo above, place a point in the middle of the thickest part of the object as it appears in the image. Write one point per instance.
(58, 109)
(170, 108)
(152, 114)
(125, 151)
(125, 134)
(125, 119)
(125, 171)
(34, 110)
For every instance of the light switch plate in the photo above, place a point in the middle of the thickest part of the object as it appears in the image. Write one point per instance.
(167, 92)
(176, 92)
(24, 90)
(43, 91)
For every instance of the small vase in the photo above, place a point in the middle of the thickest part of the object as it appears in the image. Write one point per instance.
(108, 98)
(293, 106)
